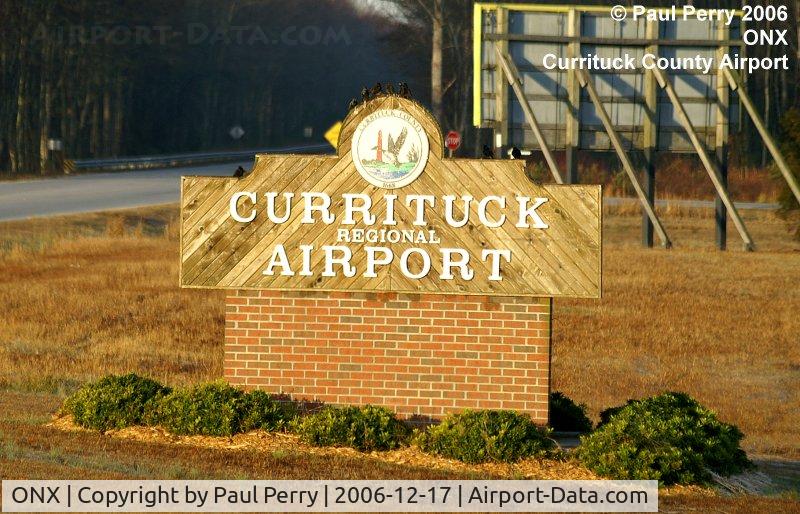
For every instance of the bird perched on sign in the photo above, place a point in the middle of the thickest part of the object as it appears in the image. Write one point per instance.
(487, 152)
(352, 104)
(376, 89)
(239, 173)
(389, 88)
(364, 94)
(405, 92)
(516, 153)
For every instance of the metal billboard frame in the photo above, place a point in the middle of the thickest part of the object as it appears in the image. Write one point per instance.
(726, 81)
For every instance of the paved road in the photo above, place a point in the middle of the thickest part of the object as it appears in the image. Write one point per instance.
(93, 192)
(695, 204)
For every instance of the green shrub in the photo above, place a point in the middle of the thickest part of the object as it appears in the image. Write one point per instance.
(365, 428)
(114, 402)
(214, 408)
(480, 436)
(209, 409)
(566, 415)
(607, 414)
(260, 411)
(670, 438)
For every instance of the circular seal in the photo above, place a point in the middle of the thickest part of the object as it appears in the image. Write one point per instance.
(390, 148)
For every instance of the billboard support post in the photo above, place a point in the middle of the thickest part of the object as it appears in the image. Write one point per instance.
(649, 185)
(720, 212)
(501, 107)
(572, 136)
(721, 139)
(616, 142)
(711, 167)
(650, 135)
(512, 75)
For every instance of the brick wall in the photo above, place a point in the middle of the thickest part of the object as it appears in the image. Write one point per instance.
(418, 354)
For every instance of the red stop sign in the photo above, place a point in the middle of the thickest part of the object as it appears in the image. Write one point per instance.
(453, 140)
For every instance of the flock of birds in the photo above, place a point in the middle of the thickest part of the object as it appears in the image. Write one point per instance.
(402, 91)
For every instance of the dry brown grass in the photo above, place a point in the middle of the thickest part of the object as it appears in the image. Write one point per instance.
(102, 301)
(680, 176)
(83, 296)
(723, 326)
(693, 228)
(31, 450)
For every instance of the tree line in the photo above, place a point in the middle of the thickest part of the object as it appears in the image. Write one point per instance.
(113, 78)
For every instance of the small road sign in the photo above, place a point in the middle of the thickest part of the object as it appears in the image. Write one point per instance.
(236, 132)
(332, 134)
(452, 141)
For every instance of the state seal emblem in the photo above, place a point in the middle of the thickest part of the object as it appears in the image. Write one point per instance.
(390, 148)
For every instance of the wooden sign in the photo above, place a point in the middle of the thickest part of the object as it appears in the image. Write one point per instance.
(390, 213)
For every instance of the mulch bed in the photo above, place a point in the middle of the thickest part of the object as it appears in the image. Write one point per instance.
(283, 443)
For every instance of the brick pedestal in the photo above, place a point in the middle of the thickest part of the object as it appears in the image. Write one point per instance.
(417, 354)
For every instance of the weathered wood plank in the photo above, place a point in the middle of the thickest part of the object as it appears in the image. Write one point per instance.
(562, 259)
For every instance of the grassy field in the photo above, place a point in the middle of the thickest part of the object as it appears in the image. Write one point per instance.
(89, 295)
(723, 326)
(687, 177)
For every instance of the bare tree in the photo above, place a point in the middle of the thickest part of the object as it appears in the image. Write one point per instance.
(115, 77)
(436, 15)
(448, 25)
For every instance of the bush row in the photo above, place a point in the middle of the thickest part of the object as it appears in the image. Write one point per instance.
(215, 408)
(670, 437)
(218, 409)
